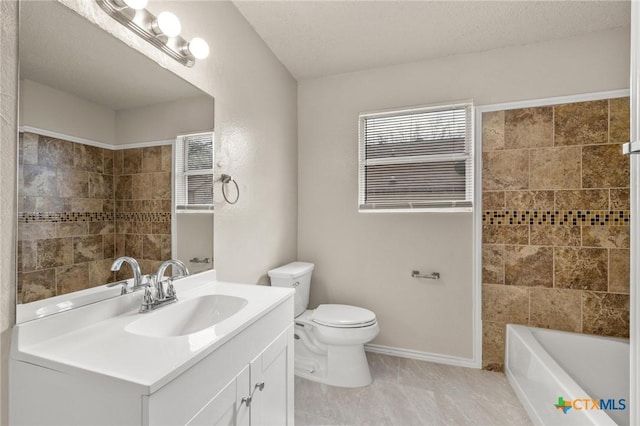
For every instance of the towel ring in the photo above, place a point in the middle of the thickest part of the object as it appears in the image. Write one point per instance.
(225, 180)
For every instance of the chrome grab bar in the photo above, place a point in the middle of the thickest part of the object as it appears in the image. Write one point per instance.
(433, 276)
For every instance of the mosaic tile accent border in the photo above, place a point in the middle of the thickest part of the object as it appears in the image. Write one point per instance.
(67, 217)
(557, 217)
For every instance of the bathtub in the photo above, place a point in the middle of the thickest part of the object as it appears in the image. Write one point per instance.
(543, 365)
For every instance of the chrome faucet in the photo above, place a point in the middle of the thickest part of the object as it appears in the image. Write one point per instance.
(152, 301)
(161, 270)
(137, 275)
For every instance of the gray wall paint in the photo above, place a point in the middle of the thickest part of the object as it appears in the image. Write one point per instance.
(366, 258)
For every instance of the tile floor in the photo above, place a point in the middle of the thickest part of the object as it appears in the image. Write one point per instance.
(409, 392)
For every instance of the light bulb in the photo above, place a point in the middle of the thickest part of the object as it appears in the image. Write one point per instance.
(168, 24)
(198, 48)
(133, 4)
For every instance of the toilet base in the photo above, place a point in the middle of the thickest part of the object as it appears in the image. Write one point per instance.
(343, 366)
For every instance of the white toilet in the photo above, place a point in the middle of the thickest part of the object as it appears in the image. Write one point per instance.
(329, 345)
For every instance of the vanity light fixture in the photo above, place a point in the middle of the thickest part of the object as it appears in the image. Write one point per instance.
(133, 4)
(162, 31)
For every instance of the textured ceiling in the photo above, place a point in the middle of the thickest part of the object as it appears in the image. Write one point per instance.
(316, 38)
(60, 49)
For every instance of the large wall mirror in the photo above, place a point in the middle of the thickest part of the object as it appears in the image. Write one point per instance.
(98, 124)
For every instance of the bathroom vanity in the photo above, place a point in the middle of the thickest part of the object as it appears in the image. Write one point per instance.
(222, 354)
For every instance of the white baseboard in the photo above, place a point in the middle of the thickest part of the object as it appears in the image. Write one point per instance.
(423, 356)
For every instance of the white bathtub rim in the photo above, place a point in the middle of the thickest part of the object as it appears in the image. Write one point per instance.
(571, 390)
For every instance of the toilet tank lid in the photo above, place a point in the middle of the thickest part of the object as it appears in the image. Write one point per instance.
(343, 316)
(291, 270)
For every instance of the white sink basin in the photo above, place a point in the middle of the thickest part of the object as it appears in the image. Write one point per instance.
(188, 316)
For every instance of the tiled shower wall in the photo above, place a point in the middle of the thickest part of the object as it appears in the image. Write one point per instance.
(555, 235)
(71, 222)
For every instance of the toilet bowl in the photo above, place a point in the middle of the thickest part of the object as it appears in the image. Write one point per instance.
(329, 340)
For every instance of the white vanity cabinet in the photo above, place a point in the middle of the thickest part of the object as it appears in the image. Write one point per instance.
(240, 373)
(260, 394)
(256, 396)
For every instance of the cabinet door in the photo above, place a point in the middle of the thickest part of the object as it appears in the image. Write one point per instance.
(270, 384)
(227, 407)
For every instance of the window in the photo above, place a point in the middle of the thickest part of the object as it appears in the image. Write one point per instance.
(194, 172)
(417, 160)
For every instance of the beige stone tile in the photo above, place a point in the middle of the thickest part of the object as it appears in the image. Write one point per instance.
(619, 120)
(27, 255)
(493, 334)
(555, 168)
(133, 246)
(86, 205)
(100, 272)
(162, 186)
(151, 159)
(492, 264)
(555, 235)
(87, 248)
(505, 234)
(529, 200)
(55, 252)
(72, 183)
(38, 181)
(109, 246)
(605, 314)
(71, 229)
(167, 158)
(505, 170)
(29, 148)
(620, 199)
(556, 309)
(492, 131)
(493, 200)
(51, 204)
(55, 152)
(604, 167)
(528, 128)
(581, 123)
(87, 157)
(108, 156)
(38, 285)
(36, 231)
(581, 268)
(106, 227)
(505, 304)
(605, 236)
(118, 159)
(151, 247)
(123, 187)
(529, 266)
(131, 161)
(619, 270)
(72, 278)
(577, 199)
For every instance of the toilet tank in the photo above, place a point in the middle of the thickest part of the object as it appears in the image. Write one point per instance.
(295, 275)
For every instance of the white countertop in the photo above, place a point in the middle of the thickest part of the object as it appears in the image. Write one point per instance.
(92, 339)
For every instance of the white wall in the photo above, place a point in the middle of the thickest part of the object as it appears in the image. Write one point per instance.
(164, 121)
(366, 259)
(50, 109)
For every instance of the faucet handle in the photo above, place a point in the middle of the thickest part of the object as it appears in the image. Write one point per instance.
(171, 290)
(123, 283)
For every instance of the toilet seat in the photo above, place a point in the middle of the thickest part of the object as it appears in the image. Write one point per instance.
(343, 316)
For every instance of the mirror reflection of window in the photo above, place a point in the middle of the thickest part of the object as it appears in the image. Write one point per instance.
(194, 172)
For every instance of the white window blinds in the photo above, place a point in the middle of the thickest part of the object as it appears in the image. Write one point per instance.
(418, 159)
(194, 172)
